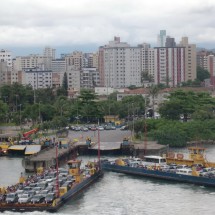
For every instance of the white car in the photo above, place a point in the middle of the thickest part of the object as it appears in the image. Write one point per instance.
(100, 128)
(24, 198)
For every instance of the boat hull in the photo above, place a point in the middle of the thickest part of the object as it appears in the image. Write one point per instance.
(160, 174)
(71, 194)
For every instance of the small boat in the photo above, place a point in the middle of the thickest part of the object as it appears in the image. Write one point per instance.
(77, 180)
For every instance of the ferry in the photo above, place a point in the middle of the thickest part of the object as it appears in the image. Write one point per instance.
(200, 172)
(48, 190)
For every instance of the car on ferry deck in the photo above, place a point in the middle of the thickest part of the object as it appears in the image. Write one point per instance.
(24, 198)
(11, 198)
(37, 199)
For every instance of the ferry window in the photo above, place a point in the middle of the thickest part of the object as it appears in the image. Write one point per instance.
(162, 160)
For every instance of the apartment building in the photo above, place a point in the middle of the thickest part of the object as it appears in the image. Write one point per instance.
(73, 77)
(89, 78)
(58, 65)
(190, 59)
(122, 64)
(169, 65)
(6, 56)
(38, 78)
(32, 61)
(75, 59)
(49, 52)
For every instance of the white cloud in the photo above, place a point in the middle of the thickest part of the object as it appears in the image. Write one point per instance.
(66, 22)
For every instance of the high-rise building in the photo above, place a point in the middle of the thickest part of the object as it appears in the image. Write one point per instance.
(6, 56)
(161, 40)
(169, 65)
(49, 52)
(170, 42)
(73, 77)
(38, 78)
(89, 78)
(75, 59)
(122, 64)
(190, 59)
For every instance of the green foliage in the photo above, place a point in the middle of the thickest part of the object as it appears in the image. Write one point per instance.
(176, 133)
(186, 103)
(202, 74)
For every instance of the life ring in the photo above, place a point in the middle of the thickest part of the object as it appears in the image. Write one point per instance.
(180, 156)
(171, 155)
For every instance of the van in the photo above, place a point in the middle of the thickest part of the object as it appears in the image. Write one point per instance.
(184, 171)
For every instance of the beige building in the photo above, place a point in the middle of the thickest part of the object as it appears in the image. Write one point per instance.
(73, 77)
(190, 59)
(75, 60)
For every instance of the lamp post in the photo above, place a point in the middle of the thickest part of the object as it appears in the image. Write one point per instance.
(16, 102)
(39, 114)
(20, 118)
(133, 120)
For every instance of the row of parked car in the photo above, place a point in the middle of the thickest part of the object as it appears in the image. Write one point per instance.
(43, 190)
(91, 128)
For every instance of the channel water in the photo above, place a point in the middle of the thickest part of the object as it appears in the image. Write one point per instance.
(121, 194)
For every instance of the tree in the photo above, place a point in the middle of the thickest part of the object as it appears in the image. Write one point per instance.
(185, 103)
(3, 111)
(202, 74)
(153, 92)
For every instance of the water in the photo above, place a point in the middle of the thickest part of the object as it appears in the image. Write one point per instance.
(121, 194)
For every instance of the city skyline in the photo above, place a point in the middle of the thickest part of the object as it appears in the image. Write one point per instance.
(86, 25)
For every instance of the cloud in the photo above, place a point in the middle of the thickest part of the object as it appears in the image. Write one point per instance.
(27, 23)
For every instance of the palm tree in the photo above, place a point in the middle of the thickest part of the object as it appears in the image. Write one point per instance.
(153, 92)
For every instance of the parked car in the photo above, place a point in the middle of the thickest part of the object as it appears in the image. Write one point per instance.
(24, 198)
(124, 127)
(12, 197)
(50, 197)
(37, 199)
(100, 128)
(44, 193)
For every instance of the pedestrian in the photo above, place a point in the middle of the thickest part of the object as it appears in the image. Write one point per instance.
(60, 145)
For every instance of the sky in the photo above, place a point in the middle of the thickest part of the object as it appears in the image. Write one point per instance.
(27, 26)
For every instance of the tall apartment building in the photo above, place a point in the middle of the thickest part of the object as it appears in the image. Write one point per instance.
(58, 65)
(211, 68)
(49, 52)
(75, 59)
(147, 56)
(89, 78)
(38, 78)
(161, 39)
(170, 42)
(73, 77)
(169, 65)
(6, 56)
(190, 59)
(202, 58)
(5, 73)
(32, 61)
(122, 64)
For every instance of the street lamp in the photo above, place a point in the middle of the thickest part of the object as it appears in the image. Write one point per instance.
(16, 102)
(133, 120)
(20, 118)
(39, 114)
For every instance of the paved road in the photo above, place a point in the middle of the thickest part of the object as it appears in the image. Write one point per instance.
(105, 136)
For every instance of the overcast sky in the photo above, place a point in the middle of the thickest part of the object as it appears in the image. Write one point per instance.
(91, 23)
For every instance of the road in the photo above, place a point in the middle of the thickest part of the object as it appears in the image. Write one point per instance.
(105, 136)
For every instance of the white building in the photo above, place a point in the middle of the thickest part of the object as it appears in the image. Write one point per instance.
(32, 61)
(49, 52)
(38, 78)
(89, 78)
(58, 65)
(122, 65)
(73, 77)
(6, 56)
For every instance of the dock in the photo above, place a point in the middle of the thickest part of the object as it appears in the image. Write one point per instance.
(47, 158)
